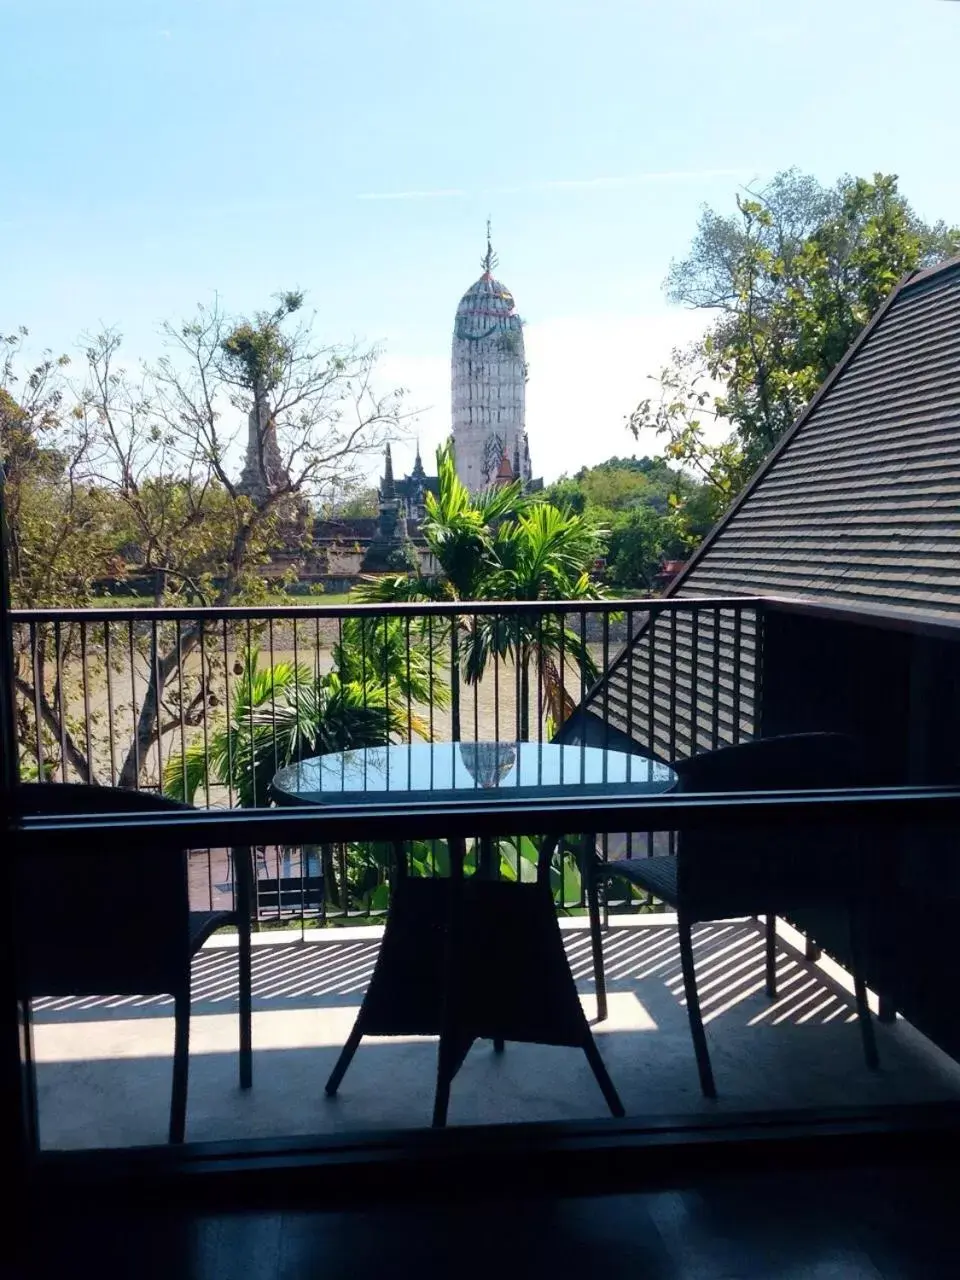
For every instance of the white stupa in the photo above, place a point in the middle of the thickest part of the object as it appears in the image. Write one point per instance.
(489, 384)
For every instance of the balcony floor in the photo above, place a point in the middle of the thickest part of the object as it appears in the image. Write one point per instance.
(104, 1065)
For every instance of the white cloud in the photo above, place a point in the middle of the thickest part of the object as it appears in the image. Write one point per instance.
(612, 182)
(625, 180)
(441, 194)
(586, 375)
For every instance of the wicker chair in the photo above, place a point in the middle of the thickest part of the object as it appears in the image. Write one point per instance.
(718, 875)
(99, 925)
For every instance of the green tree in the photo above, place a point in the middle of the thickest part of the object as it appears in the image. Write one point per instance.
(361, 503)
(789, 280)
(286, 712)
(503, 546)
(278, 715)
(640, 539)
(399, 654)
(647, 507)
(567, 494)
(544, 554)
(132, 476)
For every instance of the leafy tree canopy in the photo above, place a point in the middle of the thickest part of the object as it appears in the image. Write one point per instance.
(125, 469)
(637, 501)
(789, 279)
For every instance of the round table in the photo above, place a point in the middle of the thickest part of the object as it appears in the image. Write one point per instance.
(478, 958)
(505, 771)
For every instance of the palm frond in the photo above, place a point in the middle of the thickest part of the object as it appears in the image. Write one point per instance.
(398, 588)
(185, 773)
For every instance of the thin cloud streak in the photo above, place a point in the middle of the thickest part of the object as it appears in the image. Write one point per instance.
(568, 184)
(627, 180)
(411, 195)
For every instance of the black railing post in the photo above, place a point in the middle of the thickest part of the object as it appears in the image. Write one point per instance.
(454, 679)
(624, 695)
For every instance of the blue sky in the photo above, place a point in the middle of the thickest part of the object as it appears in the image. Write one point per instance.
(157, 151)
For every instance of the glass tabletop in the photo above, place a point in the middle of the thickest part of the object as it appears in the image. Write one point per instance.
(429, 770)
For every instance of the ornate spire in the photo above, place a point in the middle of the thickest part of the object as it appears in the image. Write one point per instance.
(418, 472)
(388, 490)
(490, 259)
(516, 458)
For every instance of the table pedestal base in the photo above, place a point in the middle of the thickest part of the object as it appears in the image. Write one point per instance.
(473, 960)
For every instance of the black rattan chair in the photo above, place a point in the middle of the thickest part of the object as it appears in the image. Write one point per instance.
(106, 924)
(718, 875)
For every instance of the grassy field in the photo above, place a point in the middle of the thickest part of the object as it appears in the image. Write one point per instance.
(274, 598)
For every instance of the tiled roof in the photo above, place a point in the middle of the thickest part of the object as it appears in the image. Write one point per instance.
(860, 504)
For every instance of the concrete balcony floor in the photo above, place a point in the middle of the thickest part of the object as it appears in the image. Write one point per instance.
(104, 1065)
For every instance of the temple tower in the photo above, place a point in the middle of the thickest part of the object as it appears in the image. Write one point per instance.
(263, 466)
(390, 546)
(489, 375)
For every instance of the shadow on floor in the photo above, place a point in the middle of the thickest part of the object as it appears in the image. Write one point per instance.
(104, 1065)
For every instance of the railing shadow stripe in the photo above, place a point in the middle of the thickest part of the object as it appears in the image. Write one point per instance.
(728, 959)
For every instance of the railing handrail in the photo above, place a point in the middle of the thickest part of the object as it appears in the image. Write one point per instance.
(913, 622)
(425, 608)
(904, 620)
(439, 819)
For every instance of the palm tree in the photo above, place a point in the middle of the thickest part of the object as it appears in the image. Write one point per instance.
(400, 655)
(279, 715)
(504, 545)
(543, 555)
(463, 535)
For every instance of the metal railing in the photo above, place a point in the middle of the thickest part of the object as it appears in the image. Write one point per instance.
(207, 704)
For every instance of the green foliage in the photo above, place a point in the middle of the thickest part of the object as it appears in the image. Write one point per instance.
(369, 864)
(636, 502)
(790, 280)
(256, 353)
(640, 540)
(398, 653)
(566, 493)
(618, 485)
(279, 715)
(684, 412)
(502, 545)
(361, 503)
(123, 475)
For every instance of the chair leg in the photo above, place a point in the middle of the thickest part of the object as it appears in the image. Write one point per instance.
(346, 1057)
(181, 1063)
(770, 934)
(445, 1073)
(596, 943)
(860, 993)
(31, 1113)
(599, 1069)
(246, 1006)
(693, 1009)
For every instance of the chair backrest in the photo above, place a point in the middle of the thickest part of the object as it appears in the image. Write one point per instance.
(769, 867)
(583, 728)
(94, 923)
